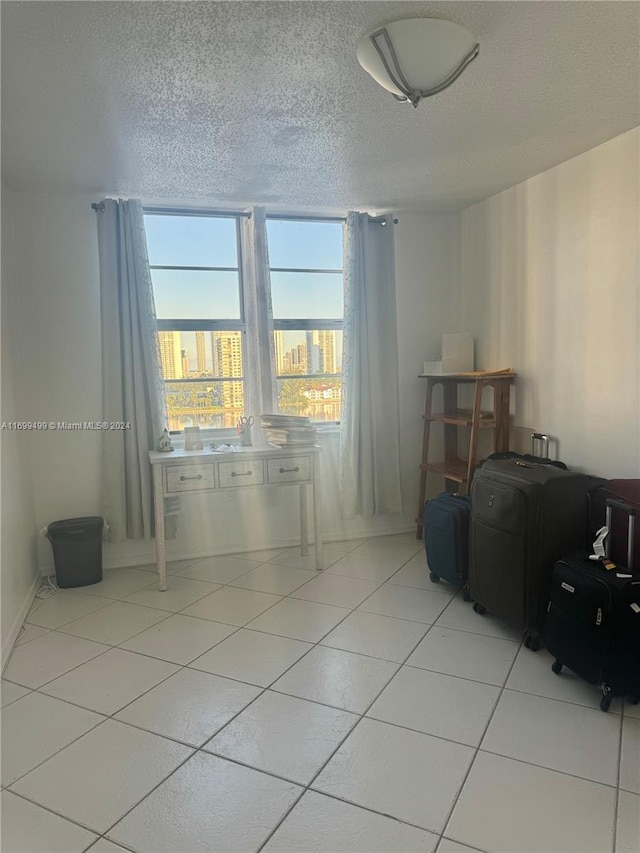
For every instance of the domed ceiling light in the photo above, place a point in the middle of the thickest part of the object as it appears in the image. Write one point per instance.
(417, 57)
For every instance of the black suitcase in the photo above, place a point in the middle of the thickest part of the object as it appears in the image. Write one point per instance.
(446, 539)
(593, 623)
(531, 457)
(524, 517)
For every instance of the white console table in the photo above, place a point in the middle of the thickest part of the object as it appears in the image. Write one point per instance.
(189, 471)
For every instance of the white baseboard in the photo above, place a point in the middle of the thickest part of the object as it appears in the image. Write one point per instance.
(239, 548)
(17, 622)
(289, 542)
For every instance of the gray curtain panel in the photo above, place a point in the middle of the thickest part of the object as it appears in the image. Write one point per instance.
(132, 386)
(370, 418)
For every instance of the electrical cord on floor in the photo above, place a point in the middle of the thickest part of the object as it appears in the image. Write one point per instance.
(47, 588)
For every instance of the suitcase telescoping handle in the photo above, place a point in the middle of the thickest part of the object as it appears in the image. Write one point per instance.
(544, 440)
(611, 504)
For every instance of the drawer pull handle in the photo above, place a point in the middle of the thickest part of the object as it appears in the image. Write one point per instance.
(197, 477)
(289, 470)
(242, 473)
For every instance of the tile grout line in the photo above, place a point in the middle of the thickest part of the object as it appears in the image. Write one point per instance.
(57, 814)
(342, 741)
(119, 710)
(616, 803)
(124, 599)
(188, 665)
(477, 749)
(181, 667)
(269, 687)
(115, 645)
(262, 692)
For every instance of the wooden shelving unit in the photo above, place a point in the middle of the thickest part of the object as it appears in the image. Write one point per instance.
(458, 471)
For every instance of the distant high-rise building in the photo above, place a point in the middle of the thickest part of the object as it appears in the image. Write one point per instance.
(326, 341)
(313, 353)
(186, 367)
(301, 358)
(170, 355)
(215, 367)
(201, 358)
(226, 349)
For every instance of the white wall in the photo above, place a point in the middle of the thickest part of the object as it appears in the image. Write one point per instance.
(550, 286)
(427, 277)
(57, 254)
(18, 550)
(57, 248)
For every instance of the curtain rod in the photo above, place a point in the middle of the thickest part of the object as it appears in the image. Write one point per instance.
(383, 220)
(98, 207)
(305, 217)
(195, 211)
(182, 211)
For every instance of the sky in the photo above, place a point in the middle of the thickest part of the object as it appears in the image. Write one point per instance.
(210, 241)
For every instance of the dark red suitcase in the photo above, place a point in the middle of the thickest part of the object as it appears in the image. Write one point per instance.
(627, 492)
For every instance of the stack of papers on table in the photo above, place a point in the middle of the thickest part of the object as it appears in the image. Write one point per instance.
(288, 430)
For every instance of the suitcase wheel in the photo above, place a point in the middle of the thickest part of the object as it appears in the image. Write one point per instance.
(531, 641)
(465, 595)
(556, 666)
(634, 700)
(605, 702)
(478, 608)
(434, 577)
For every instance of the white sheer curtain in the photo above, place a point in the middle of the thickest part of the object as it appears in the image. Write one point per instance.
(369, 432)
(260, 388)
(132, 387)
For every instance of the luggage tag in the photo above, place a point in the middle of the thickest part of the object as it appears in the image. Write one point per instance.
(598, 545)
(599, 551)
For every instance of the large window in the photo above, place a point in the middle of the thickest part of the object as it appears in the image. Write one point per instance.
(196, 271)
(307, 295)
(195, 268)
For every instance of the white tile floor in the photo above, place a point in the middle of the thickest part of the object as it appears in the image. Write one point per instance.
(259, 706)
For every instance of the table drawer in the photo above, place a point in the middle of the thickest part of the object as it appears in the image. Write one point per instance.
(189, 478)
(248, 472)
(289, 469)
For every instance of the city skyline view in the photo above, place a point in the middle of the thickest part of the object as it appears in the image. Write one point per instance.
(216, 355)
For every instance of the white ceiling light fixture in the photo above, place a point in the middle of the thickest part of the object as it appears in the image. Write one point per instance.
(416, 57)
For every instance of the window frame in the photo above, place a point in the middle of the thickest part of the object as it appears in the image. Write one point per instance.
(240, 325)
(301, 325)
(207, 325)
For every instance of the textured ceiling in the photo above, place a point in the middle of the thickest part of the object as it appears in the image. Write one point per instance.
(236, 102)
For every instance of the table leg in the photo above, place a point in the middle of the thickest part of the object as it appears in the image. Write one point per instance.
(158, 504)
(304, 521)
(317, 513)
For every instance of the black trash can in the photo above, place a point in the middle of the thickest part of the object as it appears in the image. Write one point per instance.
(77, 550)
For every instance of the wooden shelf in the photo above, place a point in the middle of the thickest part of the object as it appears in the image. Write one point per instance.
(451, 471)
(464, 417)
(454, 469)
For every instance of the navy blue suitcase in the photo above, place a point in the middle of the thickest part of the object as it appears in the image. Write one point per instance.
(446, 538)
